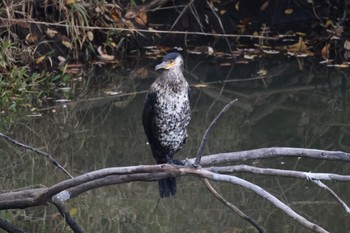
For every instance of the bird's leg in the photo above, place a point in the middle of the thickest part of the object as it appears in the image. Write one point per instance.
(173, 161)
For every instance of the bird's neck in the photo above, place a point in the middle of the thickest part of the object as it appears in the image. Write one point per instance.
(175, 73)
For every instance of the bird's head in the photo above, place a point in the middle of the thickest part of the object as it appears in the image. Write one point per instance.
(171, 60)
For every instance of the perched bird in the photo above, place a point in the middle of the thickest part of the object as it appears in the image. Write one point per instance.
(166, 115)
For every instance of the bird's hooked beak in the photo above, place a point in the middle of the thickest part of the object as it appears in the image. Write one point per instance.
(165, 65)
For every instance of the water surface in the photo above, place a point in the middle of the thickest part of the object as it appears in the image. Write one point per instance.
(281, 103)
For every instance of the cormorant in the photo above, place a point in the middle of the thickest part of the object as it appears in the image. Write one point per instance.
(166, 115)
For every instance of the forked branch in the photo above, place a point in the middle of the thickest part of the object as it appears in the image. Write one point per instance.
(152, 172)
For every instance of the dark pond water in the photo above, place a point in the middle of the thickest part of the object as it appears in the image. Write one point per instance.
(285, 102)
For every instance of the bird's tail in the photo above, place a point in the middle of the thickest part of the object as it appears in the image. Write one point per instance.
(167, 187)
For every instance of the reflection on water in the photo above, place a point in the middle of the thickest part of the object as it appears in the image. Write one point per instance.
(281, 103)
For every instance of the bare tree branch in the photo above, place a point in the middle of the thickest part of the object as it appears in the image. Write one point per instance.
(44, 196)
(46, 155)
(5, 225)
(221, 26)
(206, 181)
(280, 172)
(333, 194)
(66, 215)
(180, 15)
(206, 133)
(313, 177)
(272, 152)
(232, 207)
(263, 193)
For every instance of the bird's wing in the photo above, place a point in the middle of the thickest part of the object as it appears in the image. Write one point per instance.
(148, 125)
(147, 113)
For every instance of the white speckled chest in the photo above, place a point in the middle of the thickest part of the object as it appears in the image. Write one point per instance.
(172, 112)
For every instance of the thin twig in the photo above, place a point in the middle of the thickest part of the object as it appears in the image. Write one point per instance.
(222, 28)
(333, 194)
(206, 133)
(182, 12)
(70, 221)
(206, 181)
(139, 30)
(231, 206)
(48, 156)
(196, 16)
(279, 172)
(6, 226)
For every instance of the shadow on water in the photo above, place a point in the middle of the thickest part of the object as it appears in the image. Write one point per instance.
(286, 102)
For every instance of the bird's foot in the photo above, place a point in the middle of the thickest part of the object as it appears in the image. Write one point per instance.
(190, 164)
(175, 162)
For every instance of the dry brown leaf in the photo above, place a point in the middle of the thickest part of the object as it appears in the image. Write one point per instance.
(139, 15)
(299, 47)
(242, 62)
(325, 52)
(338, 31)
(130, 14)
(225, 64)
(249, 56)
(300, 33)
(288, 11)
(51, 33)
(344, 65)
(61, 59)
(270, 51)
(155, 33)
(98, 10)
(116, 16)
(40, 59)
(73, 212)
(90, 35)
(31, 38)
(67, 44)
(347, 45)
(264, 5)
(328, 23)
(237, 6)
(104, 56)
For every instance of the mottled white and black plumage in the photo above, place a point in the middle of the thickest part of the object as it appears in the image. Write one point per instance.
(166, 115)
